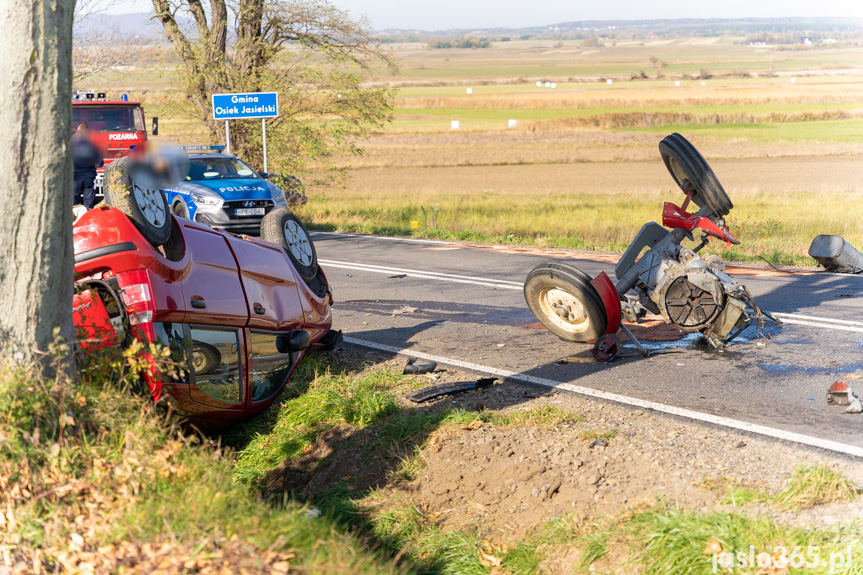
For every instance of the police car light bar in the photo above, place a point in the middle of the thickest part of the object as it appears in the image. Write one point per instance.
(202, 148)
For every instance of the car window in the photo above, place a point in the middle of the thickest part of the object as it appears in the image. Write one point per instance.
(269, 367)
(203, 169)
(171, 335)
(216, 363)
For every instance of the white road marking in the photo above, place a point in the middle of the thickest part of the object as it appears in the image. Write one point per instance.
(790, 318)
(468, 245)
(485, 282)
(771, 432)
(815, 318)
(385, 238)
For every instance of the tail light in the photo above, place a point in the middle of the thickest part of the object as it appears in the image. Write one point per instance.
(137, 296)
(138, 299)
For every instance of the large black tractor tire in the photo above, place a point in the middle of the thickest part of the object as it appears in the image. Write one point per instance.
(284, 228)
(691, 172)
(564, 301)
(147, 208)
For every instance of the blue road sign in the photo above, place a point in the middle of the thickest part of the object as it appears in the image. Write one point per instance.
(245, 106)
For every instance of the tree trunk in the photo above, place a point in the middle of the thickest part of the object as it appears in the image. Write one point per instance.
(36, 256)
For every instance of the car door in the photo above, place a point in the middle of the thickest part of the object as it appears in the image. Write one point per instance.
(216, 311)
(212, 289)
(270, 286)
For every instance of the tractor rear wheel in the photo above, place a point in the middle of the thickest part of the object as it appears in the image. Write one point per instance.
(691, 172)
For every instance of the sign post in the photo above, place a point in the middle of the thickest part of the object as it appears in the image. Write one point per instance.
(246, 106)
(264, 132)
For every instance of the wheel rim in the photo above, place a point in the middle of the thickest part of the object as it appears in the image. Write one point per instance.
(198, 360)
(298, 242)
(680, 174)
(563, 310)
(151, 204)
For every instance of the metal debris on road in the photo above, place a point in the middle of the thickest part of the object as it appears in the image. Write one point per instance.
(836, 255)
(397, 277)
(433, 391)
(404, 309)
(415, 366)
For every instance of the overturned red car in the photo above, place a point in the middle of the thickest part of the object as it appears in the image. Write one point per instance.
(237, 313)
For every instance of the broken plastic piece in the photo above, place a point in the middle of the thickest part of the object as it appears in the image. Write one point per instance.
(838, 394)
(414, 366)
(440, 389)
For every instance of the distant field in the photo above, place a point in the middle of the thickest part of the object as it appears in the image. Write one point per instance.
(780, 205)
(791, 151)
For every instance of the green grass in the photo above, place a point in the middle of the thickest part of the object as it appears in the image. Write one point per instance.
(142, 481)
(604, 222)
(145, 482)
(810, 486)
(671, 541)
(815, 131)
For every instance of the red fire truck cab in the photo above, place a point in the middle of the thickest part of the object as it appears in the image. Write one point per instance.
(117, 125)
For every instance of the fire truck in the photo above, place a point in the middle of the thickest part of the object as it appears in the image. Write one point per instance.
(117, 125)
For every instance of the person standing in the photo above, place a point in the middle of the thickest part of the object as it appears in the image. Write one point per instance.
(86, 157)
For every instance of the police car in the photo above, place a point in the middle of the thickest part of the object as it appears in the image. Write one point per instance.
(224, 192)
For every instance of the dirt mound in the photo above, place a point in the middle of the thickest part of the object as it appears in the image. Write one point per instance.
(510, 479)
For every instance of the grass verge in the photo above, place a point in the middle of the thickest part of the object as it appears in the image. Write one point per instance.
(92, 479)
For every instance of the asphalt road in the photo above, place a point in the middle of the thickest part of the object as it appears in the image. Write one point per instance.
(464, 303)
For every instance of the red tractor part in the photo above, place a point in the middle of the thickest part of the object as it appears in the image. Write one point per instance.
(675, 217)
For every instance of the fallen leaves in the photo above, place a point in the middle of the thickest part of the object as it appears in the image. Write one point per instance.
(490, 556)
(713, 547)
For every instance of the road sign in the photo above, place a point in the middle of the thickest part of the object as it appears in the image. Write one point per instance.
(245, 106)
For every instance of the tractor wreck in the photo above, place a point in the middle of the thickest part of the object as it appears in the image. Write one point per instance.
(656, 274)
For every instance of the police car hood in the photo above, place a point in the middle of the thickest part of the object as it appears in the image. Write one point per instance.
(229, 190)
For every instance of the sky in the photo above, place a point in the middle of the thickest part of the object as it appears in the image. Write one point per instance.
(446, 14)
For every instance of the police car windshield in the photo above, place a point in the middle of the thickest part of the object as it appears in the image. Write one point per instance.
(201, 169)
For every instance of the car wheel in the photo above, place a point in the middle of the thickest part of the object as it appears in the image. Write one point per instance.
(147, 208)
(284, 228)
(205, 357)
(180, 209)
(565, 302)
(690, 170)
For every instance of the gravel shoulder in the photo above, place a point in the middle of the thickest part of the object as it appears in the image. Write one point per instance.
(507, 480)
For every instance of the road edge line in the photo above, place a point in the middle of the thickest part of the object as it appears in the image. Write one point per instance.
(757, 429)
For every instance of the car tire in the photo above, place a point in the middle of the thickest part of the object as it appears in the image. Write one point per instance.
(565, 302)
(145, 207)
(690, 170)
(205, 357)
(284, 228)
(180, 209)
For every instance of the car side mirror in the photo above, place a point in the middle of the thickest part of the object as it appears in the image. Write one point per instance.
(264, 175)
(295, 340)
(155, 130)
